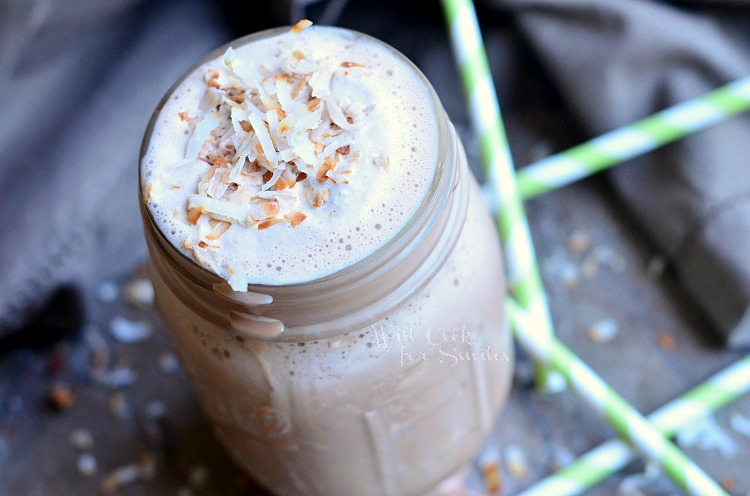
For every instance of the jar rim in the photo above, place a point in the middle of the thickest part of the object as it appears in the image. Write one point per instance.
(403, 240)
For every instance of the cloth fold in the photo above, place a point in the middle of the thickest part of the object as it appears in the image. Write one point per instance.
(617, 61)
(79, 80)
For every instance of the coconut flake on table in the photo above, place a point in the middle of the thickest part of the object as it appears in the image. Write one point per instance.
(107, 292)
(116, 378)
(139, 293)
(489, 465)
(81, 439)
(740, 424)
(705, 434)
(129, 331)
(516, 461)
(128, 474)
(86, 465)
(168, 363)
(603, 331)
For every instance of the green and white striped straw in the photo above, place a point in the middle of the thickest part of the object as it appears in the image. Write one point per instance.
(627, 142)
(606, 459)
(629, 424)
(524, 279)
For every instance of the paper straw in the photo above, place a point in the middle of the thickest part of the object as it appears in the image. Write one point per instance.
(535, 332)
(629, 424)
(524, 279)
(606, 459)
(627, 142)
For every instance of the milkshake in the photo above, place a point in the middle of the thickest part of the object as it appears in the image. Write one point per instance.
(324, 265)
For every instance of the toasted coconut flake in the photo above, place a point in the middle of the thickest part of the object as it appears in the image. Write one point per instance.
(220, 229)
(193, 215)
(206, 257)
(256, 120)
(300, 86)
(261, 131)
(202, 132)
(237, 168)
(314, 104)
(220, 210)
(264, 211)
(340, 142)
(212, 79)
(229, 57)
(286, 199)
(300, 26)
(328, 165)
(337, 115)
(295, 218)
(238, 280)
(272, 180)
(321, 198)
(286, 100)
(338, 177)
(270, 222)
(320, 81)
(281, 184)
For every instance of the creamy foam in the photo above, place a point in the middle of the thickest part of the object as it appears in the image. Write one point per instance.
(359, 217)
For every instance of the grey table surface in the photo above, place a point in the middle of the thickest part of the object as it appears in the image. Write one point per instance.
(595, 267)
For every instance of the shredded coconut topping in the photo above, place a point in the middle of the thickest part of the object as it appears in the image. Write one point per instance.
(263, 132)
(290, 157)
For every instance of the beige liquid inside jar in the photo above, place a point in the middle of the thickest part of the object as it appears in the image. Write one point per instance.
(383, 378)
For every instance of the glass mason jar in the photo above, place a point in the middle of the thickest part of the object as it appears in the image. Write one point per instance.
(381, 379)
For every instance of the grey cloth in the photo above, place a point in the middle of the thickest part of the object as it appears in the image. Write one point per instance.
(617, 61)
(78, 82)
(79, 79)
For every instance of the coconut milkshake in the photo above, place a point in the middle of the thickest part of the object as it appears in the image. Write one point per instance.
(323, 262)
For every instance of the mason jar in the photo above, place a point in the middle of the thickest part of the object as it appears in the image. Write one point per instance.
(383, 378)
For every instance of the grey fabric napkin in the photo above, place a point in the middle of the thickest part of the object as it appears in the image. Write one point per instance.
(78, 82)
(617, 61)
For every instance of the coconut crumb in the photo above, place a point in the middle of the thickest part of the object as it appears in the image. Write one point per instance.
(516, 462)
(489, 464)
(382, 161)
(666, 341)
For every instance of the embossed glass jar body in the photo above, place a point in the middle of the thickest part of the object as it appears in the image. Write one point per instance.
(382, 378)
